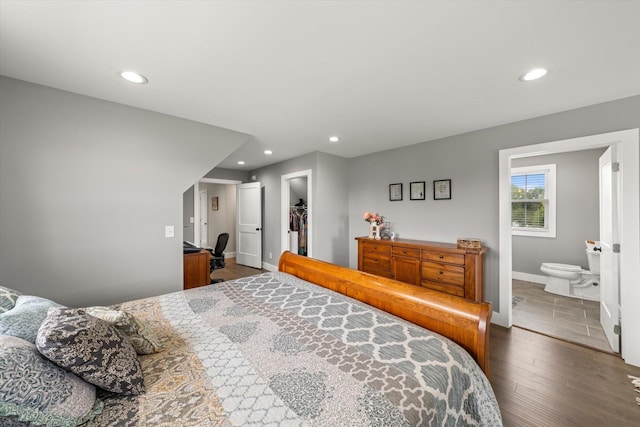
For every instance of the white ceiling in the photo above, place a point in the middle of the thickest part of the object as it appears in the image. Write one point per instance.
(379, 74)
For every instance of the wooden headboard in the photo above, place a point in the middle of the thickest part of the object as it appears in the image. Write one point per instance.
(463, 321)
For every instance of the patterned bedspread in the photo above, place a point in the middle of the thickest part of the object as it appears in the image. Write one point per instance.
(274, 350)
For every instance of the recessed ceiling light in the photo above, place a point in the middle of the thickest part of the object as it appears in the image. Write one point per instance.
(534, 74)
(268, 152)
(133, 77)
(334, 139)
(240, 162)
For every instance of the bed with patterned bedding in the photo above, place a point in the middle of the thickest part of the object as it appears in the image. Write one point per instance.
(272, 349)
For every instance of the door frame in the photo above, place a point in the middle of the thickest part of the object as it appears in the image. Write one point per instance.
(196, 199)
(627, 146)
(285, 193)
(201, 224)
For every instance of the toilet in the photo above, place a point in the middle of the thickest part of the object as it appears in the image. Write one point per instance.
(572, 280)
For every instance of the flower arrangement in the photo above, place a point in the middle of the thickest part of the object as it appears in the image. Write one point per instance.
(373, 218)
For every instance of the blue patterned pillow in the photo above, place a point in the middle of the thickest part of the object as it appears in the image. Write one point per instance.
(92, 349)
(32, 389)
(25, 318)
(8, 298)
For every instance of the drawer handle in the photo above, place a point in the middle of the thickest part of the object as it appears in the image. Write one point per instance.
(404, 252)
(441, 256)
(441, 272)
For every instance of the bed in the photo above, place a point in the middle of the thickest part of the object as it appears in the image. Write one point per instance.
(313, 344)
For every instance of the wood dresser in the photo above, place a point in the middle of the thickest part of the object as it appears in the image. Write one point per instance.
(196, 268)
(440, 266)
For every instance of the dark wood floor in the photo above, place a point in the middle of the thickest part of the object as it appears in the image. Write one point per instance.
(233, 271)
(542, 381)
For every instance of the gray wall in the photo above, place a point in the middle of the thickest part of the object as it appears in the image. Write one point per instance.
(577, 212)
(220, 173)
(471, 161)
(330, 202)
(86, 189)
(298, 190)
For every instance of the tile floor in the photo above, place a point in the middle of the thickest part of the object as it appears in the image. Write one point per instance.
(567, 318)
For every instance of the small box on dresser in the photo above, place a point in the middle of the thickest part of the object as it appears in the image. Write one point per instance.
(443, 267)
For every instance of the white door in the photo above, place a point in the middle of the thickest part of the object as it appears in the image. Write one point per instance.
(609, 261)
(249, 226)
(204, 230)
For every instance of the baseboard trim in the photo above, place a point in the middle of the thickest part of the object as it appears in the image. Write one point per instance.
(535, 278)
(269, 267)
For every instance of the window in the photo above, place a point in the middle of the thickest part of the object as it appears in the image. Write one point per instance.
(533, 201)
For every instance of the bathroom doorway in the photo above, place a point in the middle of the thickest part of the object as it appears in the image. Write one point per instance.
(570, 184)
(627, 144)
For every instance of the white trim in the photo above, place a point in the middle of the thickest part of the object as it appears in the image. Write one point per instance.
(219, 181)
(528, 277)
(196, 212)
(284, 209)
(629, 154)
(269, 267)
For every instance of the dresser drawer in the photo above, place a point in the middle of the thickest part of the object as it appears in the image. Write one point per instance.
(443, 287)
(374, 247)
(443, 257)
(376, 261)
(443, 273)
(408, 252)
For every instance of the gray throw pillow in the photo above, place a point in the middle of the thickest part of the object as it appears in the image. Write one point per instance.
(139, 335)
(34, 390)
(92, 349)
(8, 298)
(25, 318)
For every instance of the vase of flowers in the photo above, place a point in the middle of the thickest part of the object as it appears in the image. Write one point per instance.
(375, 224)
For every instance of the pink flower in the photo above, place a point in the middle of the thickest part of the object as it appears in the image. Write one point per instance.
(373, 218)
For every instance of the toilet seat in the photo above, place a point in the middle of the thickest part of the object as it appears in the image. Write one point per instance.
(563, 267)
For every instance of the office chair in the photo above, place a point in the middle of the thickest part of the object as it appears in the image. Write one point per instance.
(217, 255)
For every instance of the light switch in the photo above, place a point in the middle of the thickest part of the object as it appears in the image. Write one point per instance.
(191, 220)
(169, 231)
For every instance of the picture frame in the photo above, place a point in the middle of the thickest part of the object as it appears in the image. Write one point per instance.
(395, 192)
(214, 203)
(442, 189)
(416, 190)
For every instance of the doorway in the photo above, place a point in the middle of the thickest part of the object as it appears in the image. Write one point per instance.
(626, 143)
(294, 188)
(567, 186)
(223, 219)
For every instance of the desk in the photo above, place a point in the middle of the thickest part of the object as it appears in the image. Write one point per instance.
(196, 269)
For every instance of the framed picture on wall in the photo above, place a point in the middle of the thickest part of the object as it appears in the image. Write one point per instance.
(395, 192)
(416, 190)
(442, 189)
(214, 203)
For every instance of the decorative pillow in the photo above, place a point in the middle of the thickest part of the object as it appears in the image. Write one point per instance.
(24, 319)
(139, 335)
(32, 389)
(92, 349)
(8, 298)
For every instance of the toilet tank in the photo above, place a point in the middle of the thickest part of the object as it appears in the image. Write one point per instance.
(594, 261)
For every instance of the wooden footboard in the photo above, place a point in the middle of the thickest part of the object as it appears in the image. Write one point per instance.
(463, 321)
